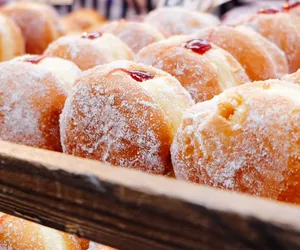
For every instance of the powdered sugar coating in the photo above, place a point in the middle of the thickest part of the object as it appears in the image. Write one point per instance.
(112, 118)
(261, 59)
(135, 34)
(282, 29)
(16, 233)
(86, 53)
(176, 21)
(31, 102)
(203, 76)
(246, 139)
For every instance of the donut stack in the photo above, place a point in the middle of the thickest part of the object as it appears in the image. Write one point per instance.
(179, 94)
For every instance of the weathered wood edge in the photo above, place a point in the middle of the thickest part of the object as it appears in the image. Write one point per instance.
(127, 209)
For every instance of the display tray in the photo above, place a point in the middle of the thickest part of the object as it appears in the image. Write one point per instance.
(128, 209)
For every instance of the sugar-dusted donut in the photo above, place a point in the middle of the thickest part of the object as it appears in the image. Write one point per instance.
(260, 58)
(11, 39)
(202, 68)
(245, 139)
(19, 234)
(81, 20)
(32, 99)
(90, 49)
(281, 28)
(65, 70)
(172, 21)
(124, 114)
(40, 24)
(135, 34)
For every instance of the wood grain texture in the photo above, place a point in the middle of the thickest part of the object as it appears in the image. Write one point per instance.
(127, 209)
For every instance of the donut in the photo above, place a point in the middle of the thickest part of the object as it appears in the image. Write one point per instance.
(283, 29)
(202, 68)
(65, 70)
(246, 139)
(96, 246)
(81, 20)
(32, 99)
(172, 21)
(261, 59)
(135, 34)
(19, 234)
(11, 39)
(90, 49)
(40, 24)
(124, 114)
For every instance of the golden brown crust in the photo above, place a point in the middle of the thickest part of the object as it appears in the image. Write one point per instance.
(260, 58)
(197, 73)
(38, 22)
(18, 38)
(11, 39)
(283, 30)
(246, 139)
(84, 243)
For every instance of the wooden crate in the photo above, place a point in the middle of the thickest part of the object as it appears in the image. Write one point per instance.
(128, 209)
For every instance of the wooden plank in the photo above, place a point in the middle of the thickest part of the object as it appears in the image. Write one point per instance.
(127, 209)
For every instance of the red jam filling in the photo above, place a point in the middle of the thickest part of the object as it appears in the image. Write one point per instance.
(91, 36)
(139, 75)
(287, 6)
(35, 59)
(268, 11)
(198, 46)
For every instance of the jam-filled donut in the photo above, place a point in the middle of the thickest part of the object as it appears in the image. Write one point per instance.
(32, 99)
(172, 21)
(40, 24)
(90, 49)
(124, 114)
(202, 68)
(19, 234)
(65, 70)
(82, 20)
(246, 139)
(135, 34)
(283, 29)
(260, 58)
(11, 39)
